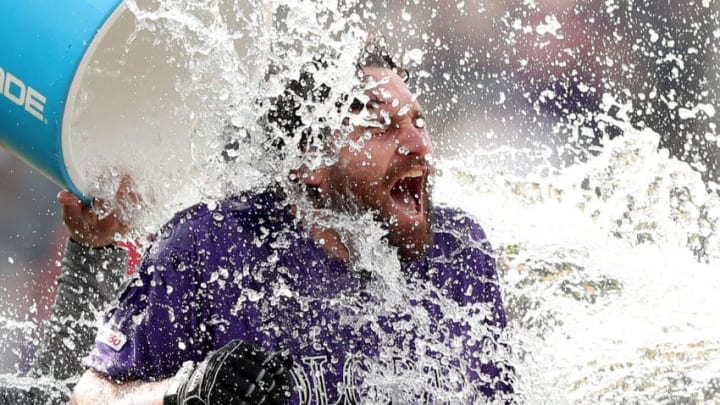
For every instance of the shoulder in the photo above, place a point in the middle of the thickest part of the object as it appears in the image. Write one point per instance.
(459, 239)
(208, 225)
(457, 224)
(463, 261)
(254, 210)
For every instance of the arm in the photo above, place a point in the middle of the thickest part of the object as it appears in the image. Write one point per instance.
(89, 280)
(238, 374)
(91, 273)
(94, 388)
(155, 329)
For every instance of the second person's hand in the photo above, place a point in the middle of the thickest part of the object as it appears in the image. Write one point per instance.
(94, 226)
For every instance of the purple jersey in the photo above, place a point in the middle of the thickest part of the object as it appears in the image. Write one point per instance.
(247, 270)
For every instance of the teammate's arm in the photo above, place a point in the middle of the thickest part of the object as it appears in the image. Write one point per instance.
(91, 274)
(240, 373)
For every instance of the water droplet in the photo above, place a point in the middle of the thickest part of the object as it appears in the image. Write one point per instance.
(224, 273)
(69, 343)
(253, 296)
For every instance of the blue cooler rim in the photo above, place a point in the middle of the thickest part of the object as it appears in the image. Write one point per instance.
(71, 172)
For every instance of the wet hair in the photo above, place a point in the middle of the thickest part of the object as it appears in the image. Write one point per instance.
(375, 54)
(284, 109)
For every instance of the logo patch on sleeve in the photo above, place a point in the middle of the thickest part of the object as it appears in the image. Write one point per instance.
(109, 337)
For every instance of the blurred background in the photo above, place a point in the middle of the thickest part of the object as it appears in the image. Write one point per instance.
(491, 74)
(31, 239)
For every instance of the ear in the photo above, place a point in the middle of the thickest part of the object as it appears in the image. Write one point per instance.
(311, 177)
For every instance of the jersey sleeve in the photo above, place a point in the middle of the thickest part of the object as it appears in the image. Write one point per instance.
(156, 325)
(88, 282)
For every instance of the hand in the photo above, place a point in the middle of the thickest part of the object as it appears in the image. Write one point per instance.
(97, 225)
(240, 373)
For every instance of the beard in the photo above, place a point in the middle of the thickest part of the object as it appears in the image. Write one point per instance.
(351, 194)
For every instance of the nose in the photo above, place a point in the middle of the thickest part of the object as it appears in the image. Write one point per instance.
(414, 141)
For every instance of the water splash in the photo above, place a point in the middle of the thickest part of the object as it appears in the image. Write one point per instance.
(608, 265)
(610, 271)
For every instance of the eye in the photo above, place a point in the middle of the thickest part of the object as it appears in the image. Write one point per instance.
(356, 106)
(378, 132)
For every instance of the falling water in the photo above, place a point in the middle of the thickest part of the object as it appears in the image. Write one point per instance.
(608, 263)
(609, 270)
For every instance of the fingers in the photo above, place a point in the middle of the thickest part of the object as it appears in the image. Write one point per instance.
(98, 225)
(66, 198)
(266, 372)
(74, 213)
(223, 395)
(281, 375)
(125, 191)
(239, 373)
(84, 224)
(278, 361)
(72, 207)
(238, 388)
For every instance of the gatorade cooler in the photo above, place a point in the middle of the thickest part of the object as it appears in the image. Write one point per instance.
(83, 91)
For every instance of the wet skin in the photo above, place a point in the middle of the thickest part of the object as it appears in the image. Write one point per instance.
(384, 167)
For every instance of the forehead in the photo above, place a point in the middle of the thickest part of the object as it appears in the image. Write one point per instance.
(384, 85)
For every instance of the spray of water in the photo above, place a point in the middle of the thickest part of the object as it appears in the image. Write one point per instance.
(608, 265)
(609, 269)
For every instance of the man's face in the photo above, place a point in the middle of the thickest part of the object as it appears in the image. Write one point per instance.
(384, 167)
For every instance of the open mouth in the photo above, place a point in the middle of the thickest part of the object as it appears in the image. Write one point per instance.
(407, 191)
